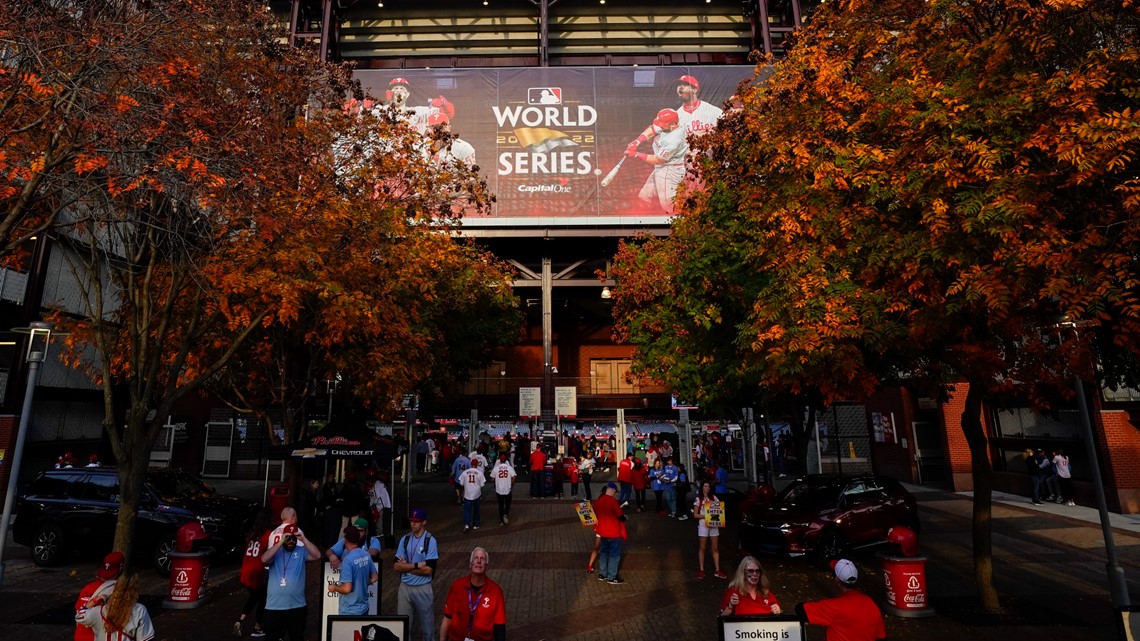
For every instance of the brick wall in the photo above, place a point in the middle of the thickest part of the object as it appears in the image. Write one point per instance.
(1119, 445)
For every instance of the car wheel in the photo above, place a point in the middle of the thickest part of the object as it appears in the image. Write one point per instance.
(48, 546)
(831, 546)
(161, 555)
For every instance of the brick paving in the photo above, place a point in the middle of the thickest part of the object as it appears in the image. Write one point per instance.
(1049, 568)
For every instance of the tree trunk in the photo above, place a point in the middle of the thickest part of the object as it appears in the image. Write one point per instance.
(133, 461)
(982, 473)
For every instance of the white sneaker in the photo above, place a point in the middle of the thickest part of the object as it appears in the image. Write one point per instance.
(624, 504)
(506, 520)
(683, 517)
(237, 629)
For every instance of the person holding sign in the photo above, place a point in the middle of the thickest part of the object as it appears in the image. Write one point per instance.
(709, 513)
(611, 529)
(851, 616)
(749, 593)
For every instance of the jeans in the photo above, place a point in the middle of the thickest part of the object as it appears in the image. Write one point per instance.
(1036, 480)
(586, 486)
(287, 624)
(624, 490)
(671, 500)
(504, 505)
(471, 513)
(609, 558)
(535, 484)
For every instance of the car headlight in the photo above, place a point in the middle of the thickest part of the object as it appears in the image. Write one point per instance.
(788, 527)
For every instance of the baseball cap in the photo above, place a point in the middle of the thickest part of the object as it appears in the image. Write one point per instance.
(437, 118)
(689, 80)
(290, 530)
(611, 486)
(112, 566)
(352, 534)
(361, 523)
(418, 514)
(398, 81)
(845, 571)
(665, 117)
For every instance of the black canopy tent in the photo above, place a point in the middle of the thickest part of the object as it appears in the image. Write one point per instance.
(338, 441)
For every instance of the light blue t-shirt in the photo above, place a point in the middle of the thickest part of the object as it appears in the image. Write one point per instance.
(286, 580)
(338, 547)
(417, 550)
(357, 568)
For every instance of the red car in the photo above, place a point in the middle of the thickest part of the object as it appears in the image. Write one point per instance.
(827, 514)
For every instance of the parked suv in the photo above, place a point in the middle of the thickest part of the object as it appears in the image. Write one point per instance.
(74, 510)
(826, 514)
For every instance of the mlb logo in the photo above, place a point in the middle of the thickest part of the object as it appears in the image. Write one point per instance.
(544, 95)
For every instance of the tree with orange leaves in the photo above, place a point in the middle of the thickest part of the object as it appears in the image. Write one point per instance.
(203, 210)
(915, 196)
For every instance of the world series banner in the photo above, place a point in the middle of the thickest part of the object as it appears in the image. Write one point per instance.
(547, 140)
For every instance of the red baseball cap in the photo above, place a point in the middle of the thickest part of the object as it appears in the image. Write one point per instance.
(112, 566)
(689, 80)
(290, 530)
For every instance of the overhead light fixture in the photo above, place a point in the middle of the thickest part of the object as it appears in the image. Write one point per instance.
(606, 294)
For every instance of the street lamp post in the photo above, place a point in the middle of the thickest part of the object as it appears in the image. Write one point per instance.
(1117, 584)
(39, 336)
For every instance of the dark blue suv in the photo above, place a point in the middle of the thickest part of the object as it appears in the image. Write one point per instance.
(72, 511)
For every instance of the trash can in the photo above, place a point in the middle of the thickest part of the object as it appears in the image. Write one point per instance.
(189, 569)
(904, 575)
(278, 499)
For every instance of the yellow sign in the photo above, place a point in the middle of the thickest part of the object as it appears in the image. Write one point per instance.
(714, 514)
(586, 513)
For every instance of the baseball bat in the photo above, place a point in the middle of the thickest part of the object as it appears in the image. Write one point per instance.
(613, 172)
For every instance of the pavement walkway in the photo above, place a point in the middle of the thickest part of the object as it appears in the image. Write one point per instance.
(1049, 569)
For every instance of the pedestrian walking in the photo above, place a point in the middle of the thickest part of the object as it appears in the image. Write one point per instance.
(474, 609)
(640, 482)
(657, 483)
(97, 591)
(851, 616)
(416, 558)
(504, 475)
(670, 474)
(472, 482)
(458, 466)
(286, 611)
(586, 472)
(253, 576)
(379, 501)
(122, 617)
(625, 479)
(611, 529)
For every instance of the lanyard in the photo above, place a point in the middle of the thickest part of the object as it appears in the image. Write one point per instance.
(473, 595)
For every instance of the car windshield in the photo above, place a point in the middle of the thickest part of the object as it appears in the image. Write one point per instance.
(812, 495)
(172, 486)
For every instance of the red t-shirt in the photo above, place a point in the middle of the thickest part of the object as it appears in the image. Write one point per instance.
(252, 569)
(749, 606)
(851, 616)
(537, 460)
(478, 609)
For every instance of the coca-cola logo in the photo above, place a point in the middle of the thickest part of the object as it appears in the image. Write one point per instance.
(917, 599)
(183, 593)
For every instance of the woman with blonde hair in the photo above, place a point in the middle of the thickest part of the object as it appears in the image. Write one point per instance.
(749, 593)
(707, 533)
(122, 618)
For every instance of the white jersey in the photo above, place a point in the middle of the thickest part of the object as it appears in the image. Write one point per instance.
(472, 480)
(378, 496)
(138, 627)
(698, 119)
(475, 456)
(504, 476)
(459, 152)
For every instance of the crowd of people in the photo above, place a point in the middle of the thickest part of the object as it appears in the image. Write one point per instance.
(1050, 477)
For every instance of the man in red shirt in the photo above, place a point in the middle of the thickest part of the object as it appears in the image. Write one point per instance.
(537, 469)
(475, 608)
(851, 616)
(625, 479)
(611, 529)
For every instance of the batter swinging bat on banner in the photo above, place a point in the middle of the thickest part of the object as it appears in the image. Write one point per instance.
(613, 172)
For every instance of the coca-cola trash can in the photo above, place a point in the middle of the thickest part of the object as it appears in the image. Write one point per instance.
(904, 575)
(189, 569)
(278, 499)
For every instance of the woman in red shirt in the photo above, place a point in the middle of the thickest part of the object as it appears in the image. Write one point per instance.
(640, 482)
(748, 593)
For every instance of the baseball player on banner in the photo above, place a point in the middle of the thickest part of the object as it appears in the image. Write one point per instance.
(670, 146)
